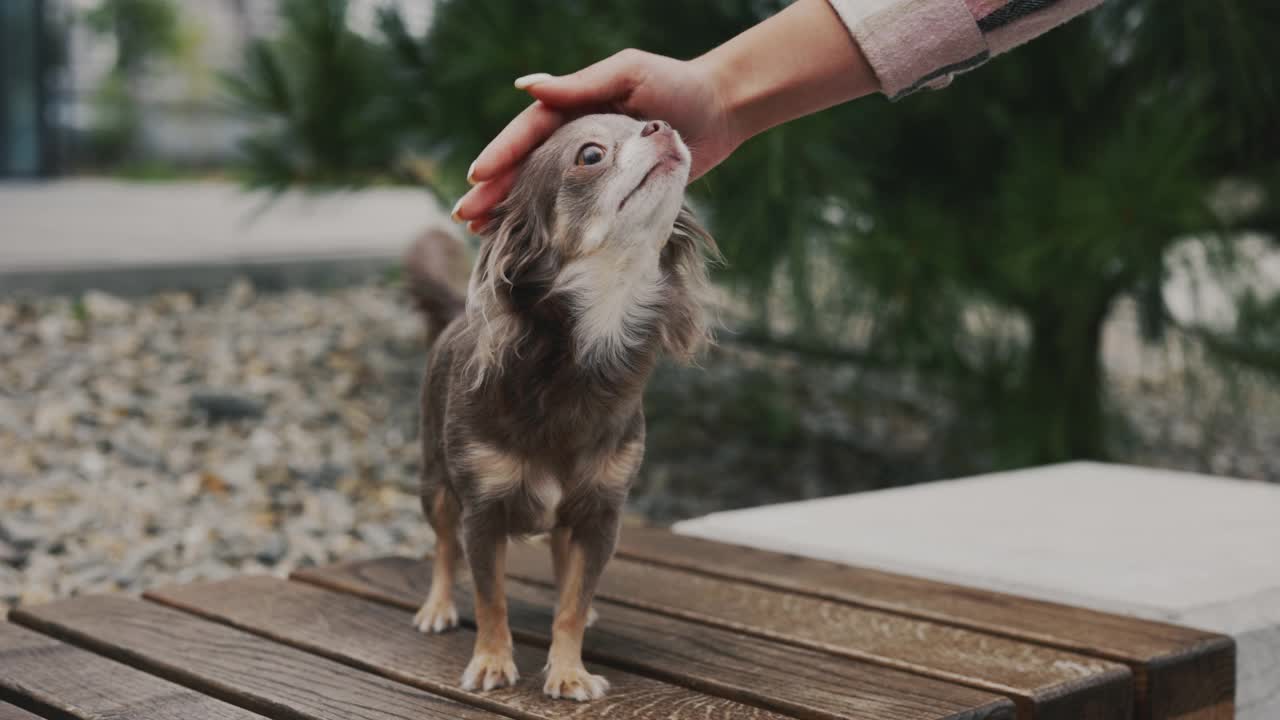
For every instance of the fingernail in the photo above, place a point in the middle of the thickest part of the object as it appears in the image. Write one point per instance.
(454, 213)
(526, 81)
(471, 173)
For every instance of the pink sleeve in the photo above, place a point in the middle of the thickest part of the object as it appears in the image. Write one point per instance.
(912, 44)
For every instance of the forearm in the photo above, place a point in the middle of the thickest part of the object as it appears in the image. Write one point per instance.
(850, 48)
(765, 76)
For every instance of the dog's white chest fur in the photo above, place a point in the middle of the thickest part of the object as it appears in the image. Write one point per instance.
(615, 292)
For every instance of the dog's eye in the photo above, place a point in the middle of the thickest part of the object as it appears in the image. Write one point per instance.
(590, 154)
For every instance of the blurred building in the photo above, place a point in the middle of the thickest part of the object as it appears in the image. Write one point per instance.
(26, 68)
(54, 68)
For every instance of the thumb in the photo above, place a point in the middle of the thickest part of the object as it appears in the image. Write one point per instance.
(606, 81)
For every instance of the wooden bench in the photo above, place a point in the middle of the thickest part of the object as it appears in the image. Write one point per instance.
(688, 629)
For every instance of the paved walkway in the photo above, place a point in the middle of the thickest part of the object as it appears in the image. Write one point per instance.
(66, 233)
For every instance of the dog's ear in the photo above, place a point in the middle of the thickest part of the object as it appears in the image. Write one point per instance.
(514, 270)
(515, 260)
(517, 251)
(684, 258)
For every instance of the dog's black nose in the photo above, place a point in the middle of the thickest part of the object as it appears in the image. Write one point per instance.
(654, 126)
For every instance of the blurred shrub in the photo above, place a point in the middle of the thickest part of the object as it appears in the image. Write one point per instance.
(322, 93)
(143, 29)
(976, 238)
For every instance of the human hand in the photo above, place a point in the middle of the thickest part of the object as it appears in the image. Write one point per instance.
(799, 61)
(631, 82)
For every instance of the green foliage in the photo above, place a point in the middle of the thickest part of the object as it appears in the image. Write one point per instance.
(1052, 209)
(322, 93)
(116, 120)
(143, 29)
(1227, 48)
(976, 238)
(1256, 342)
(1046, 186)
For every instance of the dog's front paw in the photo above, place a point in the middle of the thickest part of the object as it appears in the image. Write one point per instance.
(573, 682)
(436, 615)
(487, 671)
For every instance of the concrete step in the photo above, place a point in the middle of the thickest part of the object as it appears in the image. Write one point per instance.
(1189, 549)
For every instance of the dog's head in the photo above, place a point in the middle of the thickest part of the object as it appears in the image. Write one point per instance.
(596, 218)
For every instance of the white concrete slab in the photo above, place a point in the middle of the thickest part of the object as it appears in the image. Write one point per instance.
(1189, 549)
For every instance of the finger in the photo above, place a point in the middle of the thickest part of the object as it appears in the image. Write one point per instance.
(524, 133)
(482, 198)
(604, 82)
(560, 98)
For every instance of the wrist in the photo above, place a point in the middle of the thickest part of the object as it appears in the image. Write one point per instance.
(797, 62)
(729, 95)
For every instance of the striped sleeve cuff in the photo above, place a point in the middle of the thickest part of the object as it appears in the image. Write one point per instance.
(912, 44)
(1009, 23)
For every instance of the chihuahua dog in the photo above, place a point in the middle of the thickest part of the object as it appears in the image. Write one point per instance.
(588, 272)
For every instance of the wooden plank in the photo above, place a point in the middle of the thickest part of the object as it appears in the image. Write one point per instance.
(1043, 682)
(1179, 672)
(13, 712)
(243, 669)
(794, 680)
(41, 672)
(381, 639)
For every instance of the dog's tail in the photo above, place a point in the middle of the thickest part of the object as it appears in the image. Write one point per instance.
(435, 269)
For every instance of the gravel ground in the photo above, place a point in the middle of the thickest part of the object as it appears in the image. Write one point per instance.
(162, 441)
(172, 438)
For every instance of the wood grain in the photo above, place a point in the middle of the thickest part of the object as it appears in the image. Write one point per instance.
(1179, 672)
(381, 639)
(45, 673)
(13, 712)
(794, 680)
(1044, 682)
(236, 666)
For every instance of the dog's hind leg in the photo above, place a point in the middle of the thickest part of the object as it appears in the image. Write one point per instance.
(438, 612)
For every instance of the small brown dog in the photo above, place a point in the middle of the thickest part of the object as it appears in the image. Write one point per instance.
(531, 409)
